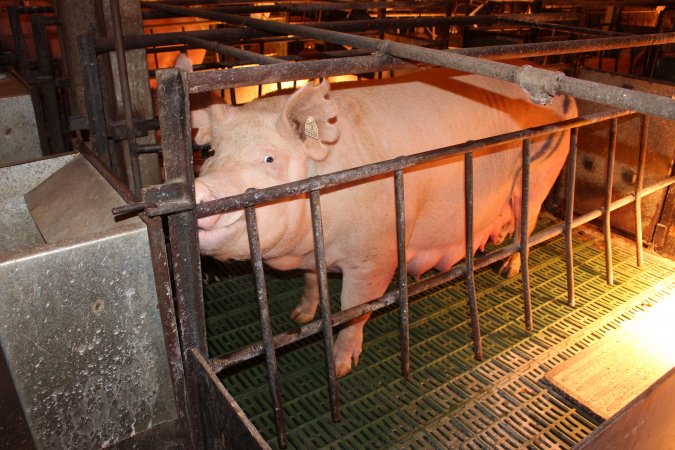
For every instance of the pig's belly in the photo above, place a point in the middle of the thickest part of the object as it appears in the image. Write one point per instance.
(435, 252)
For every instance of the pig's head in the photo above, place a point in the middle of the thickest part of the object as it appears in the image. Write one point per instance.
(267, 142)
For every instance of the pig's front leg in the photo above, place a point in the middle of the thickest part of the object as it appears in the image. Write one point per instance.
(306, 309)
(357, 287)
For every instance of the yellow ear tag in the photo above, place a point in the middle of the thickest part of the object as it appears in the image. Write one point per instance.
(311, 128)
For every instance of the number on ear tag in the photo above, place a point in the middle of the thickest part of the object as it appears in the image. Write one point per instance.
(311, 128)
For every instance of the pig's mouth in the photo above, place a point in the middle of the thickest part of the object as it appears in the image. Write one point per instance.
(212, 228)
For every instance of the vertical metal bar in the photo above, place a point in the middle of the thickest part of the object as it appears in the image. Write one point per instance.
(642, 159)
(569, 214)
(174, 111)
(126, 95)
(19, 42)
(326, 315)
(468, 235)
(609, 182)
(402, 274)
(266, 324)
(524, 224)
(94, 101)
(47, 85)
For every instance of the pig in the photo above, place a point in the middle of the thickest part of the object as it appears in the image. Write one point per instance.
(320, 129)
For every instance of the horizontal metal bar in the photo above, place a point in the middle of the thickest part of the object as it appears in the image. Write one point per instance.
(253, 197)
(496, 52)
(284, 339)
(564, 28)
(231, 51)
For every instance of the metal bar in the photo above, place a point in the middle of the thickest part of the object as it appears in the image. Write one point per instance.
(497, 52)
(569, 214)
(253, 197)
(174, 107)
(402, 274)
(609, 184)
(126, 95)
(642, 159)
(540, 83)
(559, 27)
(19, 42)
(47, 85)
(94, 101)
(265, 324)
(231, 51)
(287, 338)
(324, 296)
(469, 265)
(524, 225)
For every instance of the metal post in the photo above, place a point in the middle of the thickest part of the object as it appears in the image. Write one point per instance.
(174, 108)
(524, 249)
(569, 214)
(642, 158)
(402, 274)
(609, 183)
(126, 96)
(266, 325)
(326, 315)
(470, 281)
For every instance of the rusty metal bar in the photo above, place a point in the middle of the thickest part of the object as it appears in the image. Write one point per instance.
(609, 183)
(266, 325)
(126, 96)
(569, 214)
(559, 27)
(524, 248)
(497, 52)
(324, 296)
(174, 107)
(19, 41)
(540, 83)
(231, 51)
(402, 274)
(94, 101)
(469, 264)
(284, 339)
(642, 159)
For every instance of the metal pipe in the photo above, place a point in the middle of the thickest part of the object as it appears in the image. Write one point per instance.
(231, 51)
(289, 337)
(540, 83)
(569, 214)
(126, 95)
(559, 27)
(266, 325)
(609, 184)
(642, 159)
(324, 296)
(19, 42)
(468, 260)
(524, 225)
(402, 274)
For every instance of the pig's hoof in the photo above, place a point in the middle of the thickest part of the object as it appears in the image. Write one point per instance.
(511, 267)
(343, 369)
(302, 316)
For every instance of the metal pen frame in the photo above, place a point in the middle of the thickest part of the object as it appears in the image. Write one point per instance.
(175, 198)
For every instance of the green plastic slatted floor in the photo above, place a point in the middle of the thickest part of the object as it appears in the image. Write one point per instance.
(451, 400)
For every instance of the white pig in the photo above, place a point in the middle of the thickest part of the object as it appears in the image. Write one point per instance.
(314, 131)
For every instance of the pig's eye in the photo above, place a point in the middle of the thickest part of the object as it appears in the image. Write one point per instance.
(268, 159)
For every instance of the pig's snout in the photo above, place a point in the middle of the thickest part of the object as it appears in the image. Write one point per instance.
(204, 194)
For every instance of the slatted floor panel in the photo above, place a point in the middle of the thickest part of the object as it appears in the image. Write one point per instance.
(451, 400)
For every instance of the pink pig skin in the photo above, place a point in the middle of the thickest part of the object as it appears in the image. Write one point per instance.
(263, 144)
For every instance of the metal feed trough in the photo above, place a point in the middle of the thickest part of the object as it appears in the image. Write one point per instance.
(82, 308)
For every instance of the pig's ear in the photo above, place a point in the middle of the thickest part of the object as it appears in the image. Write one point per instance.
(310, 114)
(205, 115)
(183, 62)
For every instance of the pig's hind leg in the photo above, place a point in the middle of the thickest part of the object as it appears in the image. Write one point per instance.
(358, 287)
(306, 309)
